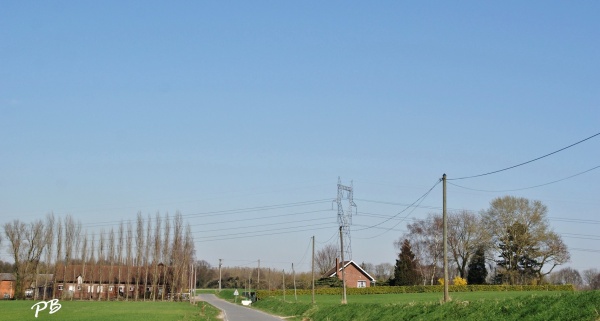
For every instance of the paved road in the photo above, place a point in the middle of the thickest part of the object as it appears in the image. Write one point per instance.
(234, 312)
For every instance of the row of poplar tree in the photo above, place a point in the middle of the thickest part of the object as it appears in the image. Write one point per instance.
(45, 246)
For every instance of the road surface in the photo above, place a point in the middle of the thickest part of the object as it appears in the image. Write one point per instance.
(234, 312)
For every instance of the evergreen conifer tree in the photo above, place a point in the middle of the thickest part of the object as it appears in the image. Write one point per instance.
(477, 271)
(405, 272)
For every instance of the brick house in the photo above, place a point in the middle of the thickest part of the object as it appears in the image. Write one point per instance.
(7, 286)
(109, 282)
(356, 277)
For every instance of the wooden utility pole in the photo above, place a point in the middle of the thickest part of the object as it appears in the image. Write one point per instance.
(344, 301)
(258, 282)
(220, 275)
(445, 237)
(313, 270)
(283, 285)
(294, 277)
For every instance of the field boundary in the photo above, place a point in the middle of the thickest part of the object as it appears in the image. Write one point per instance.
(423, 289)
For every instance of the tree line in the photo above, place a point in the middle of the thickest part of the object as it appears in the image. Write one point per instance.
(151, 250)
(511, 240)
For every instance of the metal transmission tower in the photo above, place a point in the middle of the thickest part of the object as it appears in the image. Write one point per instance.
(345, 215)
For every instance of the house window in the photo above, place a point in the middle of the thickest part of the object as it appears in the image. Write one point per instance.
(121, 289)
(60, 287)
(131, 288)
(78, 287)
(100, 289)
(110, 288)
(361, 284)
(89, 288)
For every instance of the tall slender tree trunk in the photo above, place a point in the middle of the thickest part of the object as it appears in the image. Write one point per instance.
(166, 255)
(139, 246)
(129, 260)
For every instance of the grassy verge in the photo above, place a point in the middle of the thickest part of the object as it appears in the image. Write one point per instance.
(427, 306)
(125, 311)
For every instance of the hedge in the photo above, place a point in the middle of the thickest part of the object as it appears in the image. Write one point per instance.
(421, 289)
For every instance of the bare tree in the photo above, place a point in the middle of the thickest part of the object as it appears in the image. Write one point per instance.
(590, 277)
(59, 249)
(49, 246)
(177, 252)
(84, 258)
(69, 240)
(188, 254)
(425, 237)
(325, 258)
(101, 262)
(129, 254)
(27, 242)
(93, 262)
(139, 244)
(76, 249)
(120, 245)
(156, 255)
(566, 276)
(111, 259)
(166, 250)
(147, 252)
(384, 271)
(465, 235)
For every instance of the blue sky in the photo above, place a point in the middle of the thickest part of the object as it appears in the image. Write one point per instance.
(110, 108)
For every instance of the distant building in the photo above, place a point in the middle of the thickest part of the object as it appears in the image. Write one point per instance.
(107, 282)
(7, 286)
(356, 277)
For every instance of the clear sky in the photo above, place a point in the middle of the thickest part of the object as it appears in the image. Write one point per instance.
(108, 108)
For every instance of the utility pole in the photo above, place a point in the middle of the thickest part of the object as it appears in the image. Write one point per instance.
(283, 285)
(445, 237)
(220, 274)
(313, 269)
(258, 282)
(344, 301)
(294, 277)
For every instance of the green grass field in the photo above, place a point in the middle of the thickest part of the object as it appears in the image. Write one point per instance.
(101, 311)
(489, 306)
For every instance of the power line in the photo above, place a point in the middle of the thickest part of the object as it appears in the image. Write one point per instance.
(431, 207)
(573, 220)
(262, 225)
(305, 252)
(585, 250)
(581, 236)
(530, 187)
(524, 163)
(223, 212)
(419, 201)
(268, 234)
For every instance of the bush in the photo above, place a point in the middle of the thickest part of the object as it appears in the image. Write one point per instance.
(459, 281)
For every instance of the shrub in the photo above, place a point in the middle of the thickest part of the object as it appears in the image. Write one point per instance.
(459, 281)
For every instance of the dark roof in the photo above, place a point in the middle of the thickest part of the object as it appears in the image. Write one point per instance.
(332, 272)
(7, 277)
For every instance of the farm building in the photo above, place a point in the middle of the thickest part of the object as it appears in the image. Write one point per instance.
(107, 282)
